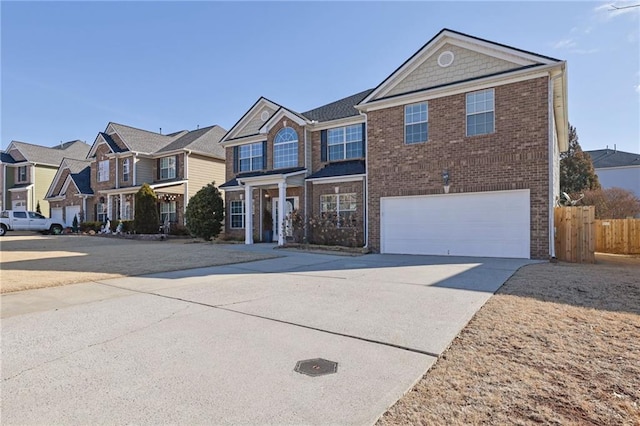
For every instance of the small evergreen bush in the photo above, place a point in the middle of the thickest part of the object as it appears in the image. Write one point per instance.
(205, 213)
(147, 220)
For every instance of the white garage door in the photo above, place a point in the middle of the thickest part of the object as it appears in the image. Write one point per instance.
(71, 211)
(489, 224)
(19, 205)
(56, 214)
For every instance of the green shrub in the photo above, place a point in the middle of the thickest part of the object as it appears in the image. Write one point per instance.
(205, 213)
(90, 226)
(178, 229)
(146, 219)
(329, 229)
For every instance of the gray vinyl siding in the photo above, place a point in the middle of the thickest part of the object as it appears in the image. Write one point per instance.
(144, 171)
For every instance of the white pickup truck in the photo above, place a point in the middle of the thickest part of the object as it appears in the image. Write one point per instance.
(15, 220)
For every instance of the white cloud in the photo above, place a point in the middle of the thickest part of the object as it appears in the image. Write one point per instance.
(584, 51)
(638, 88)
(564, 44)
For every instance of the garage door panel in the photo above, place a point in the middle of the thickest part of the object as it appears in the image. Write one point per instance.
(495, 224)
(71, 211)
(56, 214)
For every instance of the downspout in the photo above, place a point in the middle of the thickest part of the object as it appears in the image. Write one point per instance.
(4, 187)
(366, 180)
(552, 248)
(306, 196)
(33, 188)
(186, 186)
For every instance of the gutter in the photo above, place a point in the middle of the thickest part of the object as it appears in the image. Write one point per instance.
(366, 180)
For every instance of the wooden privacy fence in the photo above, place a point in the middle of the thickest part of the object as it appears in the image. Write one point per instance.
(619, 236)
(575, 234)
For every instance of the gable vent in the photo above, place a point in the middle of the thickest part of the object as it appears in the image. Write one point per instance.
(446, 58)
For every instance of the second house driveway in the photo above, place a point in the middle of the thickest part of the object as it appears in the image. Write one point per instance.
(219, 344)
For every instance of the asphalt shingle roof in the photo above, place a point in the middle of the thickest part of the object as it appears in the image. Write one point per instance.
(143, 140)
(203, 140)
(603, 158)
(341, 108)
(82, 179)
(342, 168)
(6, 158)
(234, 182)
(52, 155)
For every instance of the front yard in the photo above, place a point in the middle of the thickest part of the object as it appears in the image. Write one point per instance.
(30, 261)
(558, 344)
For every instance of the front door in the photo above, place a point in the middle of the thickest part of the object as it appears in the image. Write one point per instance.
(291, 205)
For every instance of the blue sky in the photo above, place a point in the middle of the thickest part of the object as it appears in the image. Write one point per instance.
(68, 68)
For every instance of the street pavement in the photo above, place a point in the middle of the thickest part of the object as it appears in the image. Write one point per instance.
(219, 345)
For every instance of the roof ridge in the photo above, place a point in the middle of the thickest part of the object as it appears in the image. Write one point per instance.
(139, 129)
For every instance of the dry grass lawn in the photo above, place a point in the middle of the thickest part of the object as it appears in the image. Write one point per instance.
(559, 344)
(33, 261)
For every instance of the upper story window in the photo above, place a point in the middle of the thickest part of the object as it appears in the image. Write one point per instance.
(480, 112)
(125, 170)
(103, 171)
(250, 157)
(22, 174)
(167, 168)
(416, 123)
(345, 142)
(285, 148)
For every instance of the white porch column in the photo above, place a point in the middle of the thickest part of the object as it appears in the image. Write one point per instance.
(109, 208)
(282, 209)
(121, 213)
(248, 214)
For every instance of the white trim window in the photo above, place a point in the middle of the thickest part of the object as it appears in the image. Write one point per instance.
(103, 171)
(22, 173)
(285, 148)
(126, 211)
(250, 157)
(237, 214)
(416, 123)
(101, 212)
(167, 168)
(125, 170)
(168, 212)
(344, 142)
(480, 112)
(343, 205)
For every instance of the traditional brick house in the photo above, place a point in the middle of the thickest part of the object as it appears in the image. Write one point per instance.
(455, 153)
(70, 192)
(27, 171)
(123, 158)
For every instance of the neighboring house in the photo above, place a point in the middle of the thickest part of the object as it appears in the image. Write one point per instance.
(617, 169)
(176, 166)
(455, 153)
(70, 191)
(28, 170)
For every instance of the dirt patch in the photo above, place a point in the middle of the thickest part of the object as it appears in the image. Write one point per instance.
(34, 261)
(558, 344)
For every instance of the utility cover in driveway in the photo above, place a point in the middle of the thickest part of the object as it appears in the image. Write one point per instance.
(485, 224)
(316, 367)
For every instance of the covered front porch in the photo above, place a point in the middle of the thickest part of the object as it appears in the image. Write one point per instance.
(254, 203)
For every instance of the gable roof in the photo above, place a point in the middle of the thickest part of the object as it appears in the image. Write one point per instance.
(79, 172)
(341, 108)
(51, 155)
(82, 179)
(6, 158)
(139, 140)
(603, 158)
(203, 140)
(517, 56)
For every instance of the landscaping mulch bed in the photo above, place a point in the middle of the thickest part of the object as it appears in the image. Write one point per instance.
(558, 344)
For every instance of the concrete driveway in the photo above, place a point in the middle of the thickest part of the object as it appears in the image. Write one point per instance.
(219, 345)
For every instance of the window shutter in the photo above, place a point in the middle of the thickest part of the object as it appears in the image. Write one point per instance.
(178, 167)
(364, 138)
(323, 145)
(158, 169)
(236, 159)
(264, 155)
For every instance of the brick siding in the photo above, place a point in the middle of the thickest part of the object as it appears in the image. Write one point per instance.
(515, 156)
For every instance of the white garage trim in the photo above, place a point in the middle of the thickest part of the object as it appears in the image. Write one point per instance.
(486, 224)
